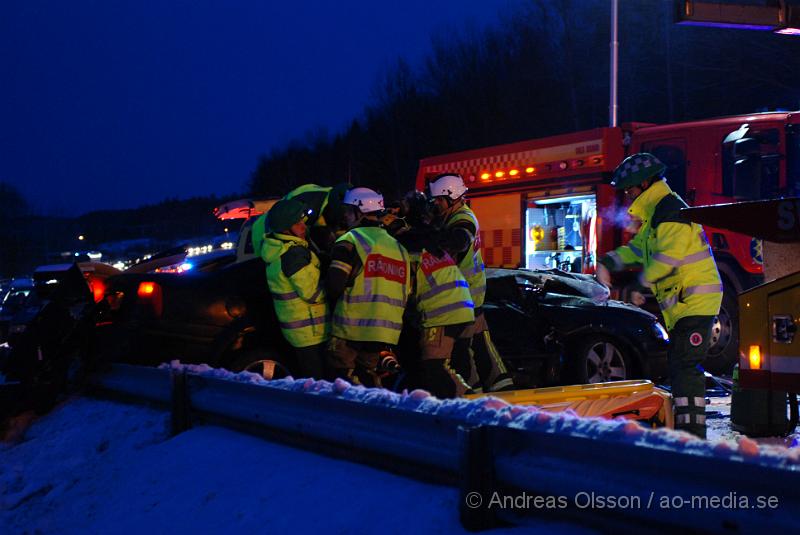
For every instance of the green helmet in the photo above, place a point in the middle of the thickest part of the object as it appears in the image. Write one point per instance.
(635, 169)
(286, 213)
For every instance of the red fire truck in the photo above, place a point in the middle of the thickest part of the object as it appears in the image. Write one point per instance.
(547, 203)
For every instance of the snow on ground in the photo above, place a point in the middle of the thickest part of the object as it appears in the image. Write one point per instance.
(102, 467)
(718, 421)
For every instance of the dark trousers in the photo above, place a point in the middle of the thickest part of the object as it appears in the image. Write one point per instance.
(309, 361)
(688, 346)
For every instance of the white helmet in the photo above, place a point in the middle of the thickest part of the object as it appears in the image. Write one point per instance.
(448, 185)
(364, 199)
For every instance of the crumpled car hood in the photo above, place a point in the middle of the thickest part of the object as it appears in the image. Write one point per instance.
(557, 281)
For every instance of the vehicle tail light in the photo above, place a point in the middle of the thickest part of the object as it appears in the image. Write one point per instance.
(754, 356)
(150, 293)
(146, 289)
(98, 289)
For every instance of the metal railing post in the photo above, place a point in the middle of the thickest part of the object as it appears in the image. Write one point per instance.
(477, 478)
(180, 420)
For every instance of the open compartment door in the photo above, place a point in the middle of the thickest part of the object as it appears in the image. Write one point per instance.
(500, 220)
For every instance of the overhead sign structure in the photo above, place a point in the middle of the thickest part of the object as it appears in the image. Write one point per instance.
(772, 15)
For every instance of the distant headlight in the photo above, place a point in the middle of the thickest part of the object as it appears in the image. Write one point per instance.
(660, 332)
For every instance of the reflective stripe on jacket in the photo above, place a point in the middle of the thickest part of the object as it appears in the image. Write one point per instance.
(371, 310)
(677, 262)
(471, 265)
(299, 300)
(443, 296)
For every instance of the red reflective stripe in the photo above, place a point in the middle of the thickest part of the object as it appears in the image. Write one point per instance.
(377, 265)
(430, 263)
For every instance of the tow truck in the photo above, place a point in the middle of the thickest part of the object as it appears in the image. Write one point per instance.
(769, 347)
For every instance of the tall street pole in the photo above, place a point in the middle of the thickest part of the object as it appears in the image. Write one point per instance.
(612, 109)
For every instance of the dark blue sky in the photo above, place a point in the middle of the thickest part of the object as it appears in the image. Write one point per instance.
(114, 104)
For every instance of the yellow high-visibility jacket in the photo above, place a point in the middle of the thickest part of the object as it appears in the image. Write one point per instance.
(443, 296)
(371, 310)
(293, 276)
(677, 262)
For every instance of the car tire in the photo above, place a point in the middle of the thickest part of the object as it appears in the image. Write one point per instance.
(723, 352)
(262, 362)
(599, 359)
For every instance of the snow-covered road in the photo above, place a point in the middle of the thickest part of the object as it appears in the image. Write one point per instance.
(102, 467)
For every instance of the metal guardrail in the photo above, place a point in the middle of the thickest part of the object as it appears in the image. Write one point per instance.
(610, 485)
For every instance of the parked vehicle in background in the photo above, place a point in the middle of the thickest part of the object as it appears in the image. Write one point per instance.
(54, 322)
(547, 203)
(12, 298)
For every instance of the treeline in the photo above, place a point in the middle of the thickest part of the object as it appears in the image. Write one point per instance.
(167, 220)
(28, 240)
(543, 70)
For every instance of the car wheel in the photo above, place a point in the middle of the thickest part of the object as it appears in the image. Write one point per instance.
(723, 349)
(264, 363)
(598, 360)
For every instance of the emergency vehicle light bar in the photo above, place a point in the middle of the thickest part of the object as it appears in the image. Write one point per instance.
(560, 157)
(548, 168)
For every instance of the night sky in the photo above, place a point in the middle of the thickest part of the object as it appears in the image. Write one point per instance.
(115, 104)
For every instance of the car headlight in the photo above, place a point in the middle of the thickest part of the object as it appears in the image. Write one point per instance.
(660, 332)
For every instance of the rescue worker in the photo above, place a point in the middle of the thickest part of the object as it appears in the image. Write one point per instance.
(293, 276)
(678, 266)
(367, 283)
(441, 300)
(459, 236)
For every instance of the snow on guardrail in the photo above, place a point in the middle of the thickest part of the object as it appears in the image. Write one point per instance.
(494, 411)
